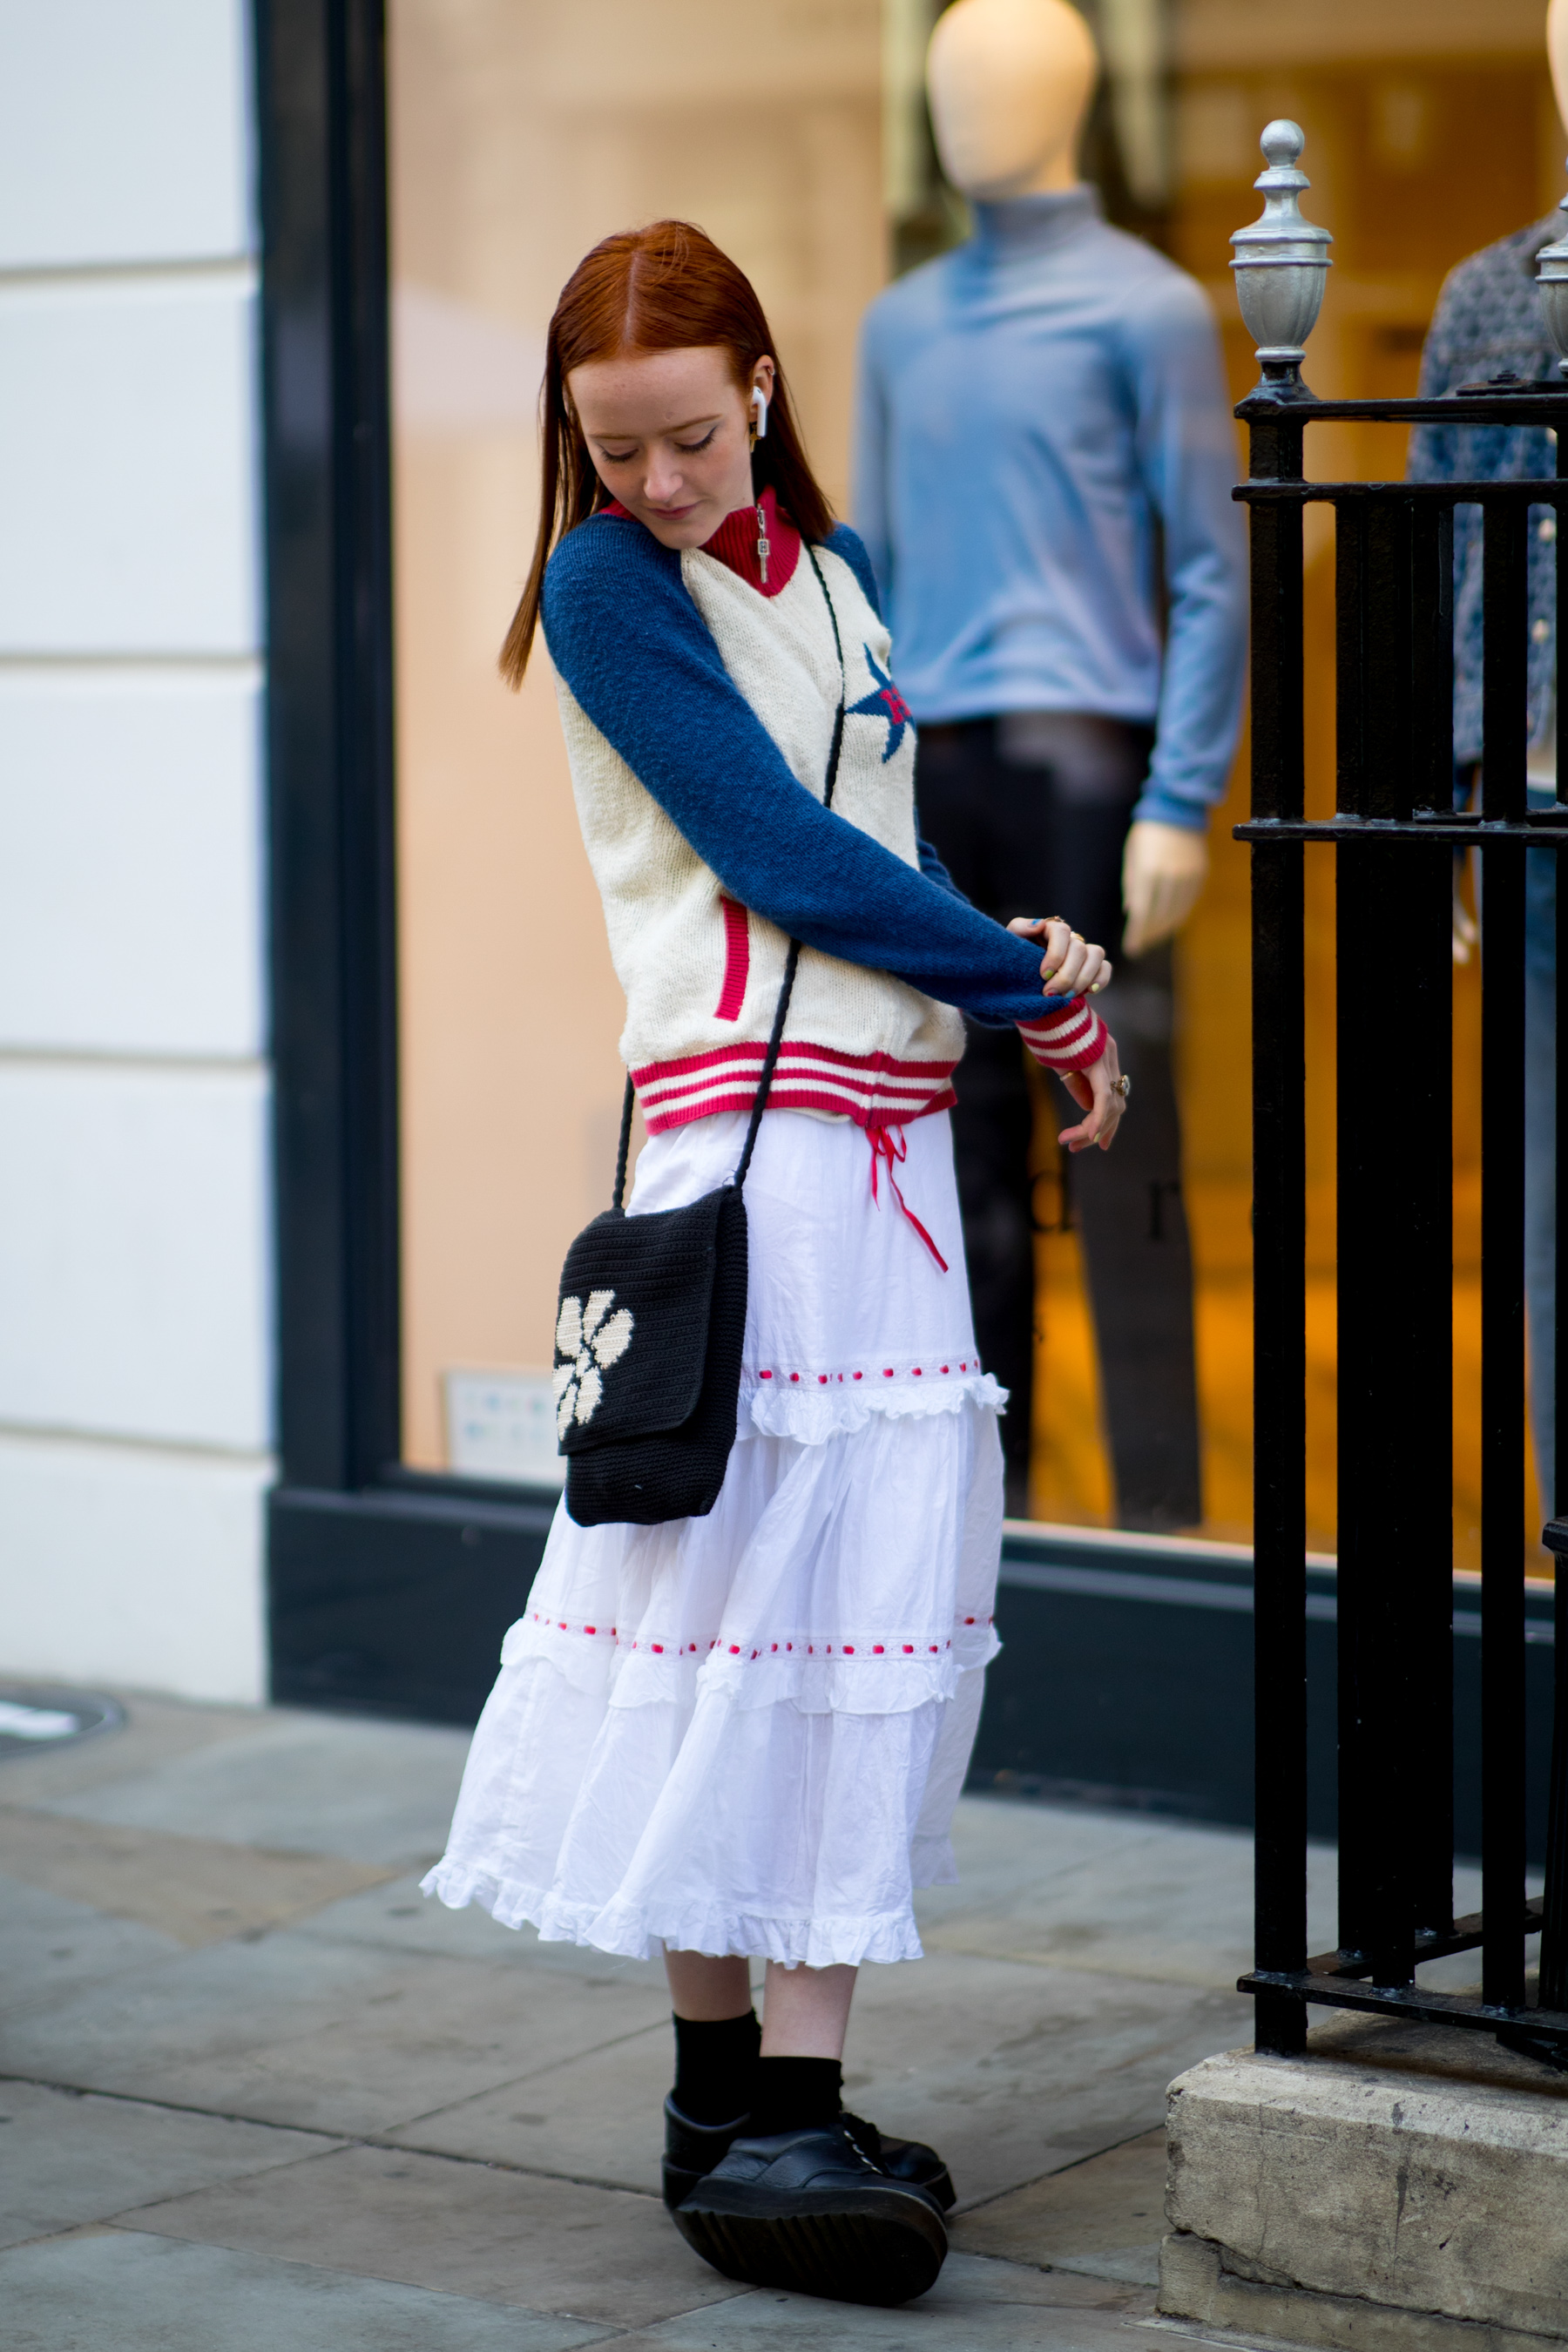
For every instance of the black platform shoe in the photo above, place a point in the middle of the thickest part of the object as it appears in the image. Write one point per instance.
(810, 2211)
(692, 2151)
(909, 2161)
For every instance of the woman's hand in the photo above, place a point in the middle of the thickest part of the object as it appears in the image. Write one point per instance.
(1095, 1090)
(1070, 967)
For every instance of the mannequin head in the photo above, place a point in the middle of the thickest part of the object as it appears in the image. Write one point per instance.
(1009, 83)
(1557, 52)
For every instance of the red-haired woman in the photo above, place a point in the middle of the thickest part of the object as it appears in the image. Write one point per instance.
(740, 1736)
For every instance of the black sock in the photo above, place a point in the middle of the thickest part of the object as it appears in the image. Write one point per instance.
(715, 2064)
(795, 2095)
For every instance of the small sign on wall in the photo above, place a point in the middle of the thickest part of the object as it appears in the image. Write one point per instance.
(502, 1425)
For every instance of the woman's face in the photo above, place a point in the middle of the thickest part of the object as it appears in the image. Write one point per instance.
(668, 433)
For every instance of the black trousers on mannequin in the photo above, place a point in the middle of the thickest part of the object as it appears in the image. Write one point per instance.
(1030, 814)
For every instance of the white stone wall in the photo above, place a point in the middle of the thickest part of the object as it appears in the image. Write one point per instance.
(135, 1285)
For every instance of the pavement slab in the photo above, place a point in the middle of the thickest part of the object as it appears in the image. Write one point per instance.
(155, 1729)
(112, 2291)
(331, 2037)
(1120, 1894)
(399, 1918)
(544, 2244)
(194, 1890)
(1014, 2070)
(252, 2072)
(1104, 2218)
(975, 2306)
(370, 1791)
(68, 2158)
(1011, 2071)
(50, 1947)
(595, 2117)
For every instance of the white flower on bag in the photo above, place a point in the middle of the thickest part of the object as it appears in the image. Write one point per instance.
(590, 1339)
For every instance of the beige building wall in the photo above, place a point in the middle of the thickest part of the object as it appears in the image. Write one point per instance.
(522, 132)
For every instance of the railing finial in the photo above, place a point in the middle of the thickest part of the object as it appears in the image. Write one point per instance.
(1281, 264)
(1552, 278)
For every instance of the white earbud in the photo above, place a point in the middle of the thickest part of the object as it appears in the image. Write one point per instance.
(760, 396)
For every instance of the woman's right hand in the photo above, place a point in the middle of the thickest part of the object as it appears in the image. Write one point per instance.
(1097, 1092)
(1070, 965)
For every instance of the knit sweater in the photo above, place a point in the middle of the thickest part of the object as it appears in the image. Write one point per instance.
(698, 702)
(1489, 321)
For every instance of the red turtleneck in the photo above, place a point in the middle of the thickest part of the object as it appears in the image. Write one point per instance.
(734, 543)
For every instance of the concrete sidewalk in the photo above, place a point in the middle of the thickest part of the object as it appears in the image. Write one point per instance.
(257, 2092)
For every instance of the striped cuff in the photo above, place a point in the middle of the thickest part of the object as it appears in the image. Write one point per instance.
(1071, 1038)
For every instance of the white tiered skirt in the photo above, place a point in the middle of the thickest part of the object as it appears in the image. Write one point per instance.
(746, 1733)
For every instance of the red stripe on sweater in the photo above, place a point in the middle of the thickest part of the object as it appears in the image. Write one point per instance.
(737, 961)
(686, 1064)
(802, 1072)
(1073, 1041)
(793, 1098)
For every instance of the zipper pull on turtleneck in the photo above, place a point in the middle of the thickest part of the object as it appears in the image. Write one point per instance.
(763, 550)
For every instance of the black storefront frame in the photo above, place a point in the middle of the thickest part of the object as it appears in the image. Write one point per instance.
(388, 1590)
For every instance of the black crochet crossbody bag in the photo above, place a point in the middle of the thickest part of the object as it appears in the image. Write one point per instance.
(652, 1318)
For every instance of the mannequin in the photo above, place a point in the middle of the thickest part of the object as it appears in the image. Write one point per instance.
(1041, 415)
(1010, 83)
(1487, 318)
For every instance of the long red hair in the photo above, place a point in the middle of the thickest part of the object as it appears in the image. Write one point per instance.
(663, 288)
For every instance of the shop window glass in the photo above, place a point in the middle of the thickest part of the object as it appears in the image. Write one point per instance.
(520, 133)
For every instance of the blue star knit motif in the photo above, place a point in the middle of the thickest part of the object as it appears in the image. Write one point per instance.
(886, 702)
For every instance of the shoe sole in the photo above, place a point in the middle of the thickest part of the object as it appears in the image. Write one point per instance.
(847, 2247)
(678, 2185)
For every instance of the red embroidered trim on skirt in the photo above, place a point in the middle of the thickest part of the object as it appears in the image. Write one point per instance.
(893, 1647)
(785, 1378)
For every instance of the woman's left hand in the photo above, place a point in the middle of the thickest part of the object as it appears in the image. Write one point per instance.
(1095, 1090)
(1071, 966)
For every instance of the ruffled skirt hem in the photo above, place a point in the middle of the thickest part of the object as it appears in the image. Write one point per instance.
(639, 1934)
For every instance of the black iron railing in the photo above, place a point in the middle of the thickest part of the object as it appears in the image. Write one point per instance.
(1393, 838)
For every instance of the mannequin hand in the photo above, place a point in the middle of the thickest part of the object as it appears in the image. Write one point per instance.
(1070, 967)
(1093, 1091)
(1164, 868)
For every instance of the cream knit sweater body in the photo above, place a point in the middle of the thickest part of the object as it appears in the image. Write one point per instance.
(702, 969)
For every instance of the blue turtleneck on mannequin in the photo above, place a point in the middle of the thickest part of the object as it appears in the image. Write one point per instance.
(1042, 424)
(1043, 474)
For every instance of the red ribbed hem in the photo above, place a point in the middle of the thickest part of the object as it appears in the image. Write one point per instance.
(873, 1089)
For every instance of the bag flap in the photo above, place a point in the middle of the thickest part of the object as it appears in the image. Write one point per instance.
(631, 1327)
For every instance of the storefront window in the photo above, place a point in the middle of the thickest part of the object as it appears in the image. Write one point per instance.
(793, 132)
(520, 133)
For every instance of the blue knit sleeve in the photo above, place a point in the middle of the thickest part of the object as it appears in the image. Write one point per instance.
(636, 653)
(933, 867)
